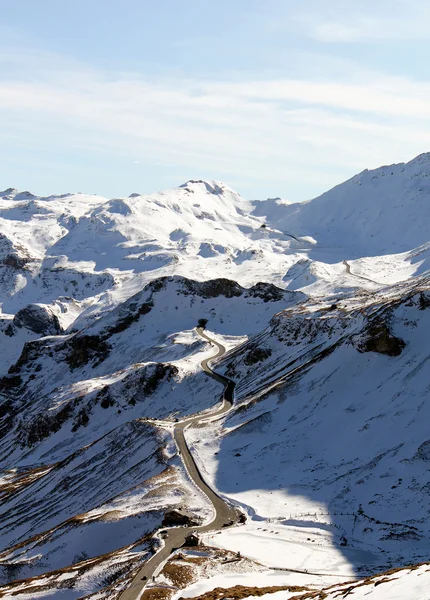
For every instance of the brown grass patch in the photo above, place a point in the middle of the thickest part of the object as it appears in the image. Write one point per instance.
(179, 575)
(241, 591)
(343, 590)
(157, 594)
(20, 481)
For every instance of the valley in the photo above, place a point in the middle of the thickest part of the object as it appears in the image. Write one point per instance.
(121, 322)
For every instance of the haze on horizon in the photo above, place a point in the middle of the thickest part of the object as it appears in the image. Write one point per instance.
(273, 98)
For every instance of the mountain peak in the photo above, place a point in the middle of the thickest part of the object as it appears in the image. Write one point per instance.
(211, 186)
(423, 157)
(8, 192)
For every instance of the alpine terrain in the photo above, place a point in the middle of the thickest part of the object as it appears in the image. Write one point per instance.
(203, 396)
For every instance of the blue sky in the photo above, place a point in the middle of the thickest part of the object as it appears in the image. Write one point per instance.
(273, 97)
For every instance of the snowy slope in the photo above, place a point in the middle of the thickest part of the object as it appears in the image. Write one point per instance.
(410, 583)
(384, 211)
(328, 446)
(81, 456)
(83, 254)
(102, 251)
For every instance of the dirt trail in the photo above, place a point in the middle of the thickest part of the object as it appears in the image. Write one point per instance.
(223, 512)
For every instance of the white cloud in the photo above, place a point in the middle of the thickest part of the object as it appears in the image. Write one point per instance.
(348, 21)
(288, 129)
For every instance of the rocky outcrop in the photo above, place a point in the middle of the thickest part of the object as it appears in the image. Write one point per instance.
(9, 192)
(136, 386)
(255, 355)
(128, 318)
(424, 300)
(423, 452)
(30, 353)
(84, 349)
(160, 372)
(378, 338)
(14, 256)
(213, 187)
(212, 288)
(267, 292)
(10, 382)
(43, 425)
(39, 319)
(15, 261)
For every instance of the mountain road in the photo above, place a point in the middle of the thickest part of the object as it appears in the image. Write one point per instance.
(224, 513)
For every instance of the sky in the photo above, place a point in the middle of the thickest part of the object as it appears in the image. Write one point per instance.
(272, 97)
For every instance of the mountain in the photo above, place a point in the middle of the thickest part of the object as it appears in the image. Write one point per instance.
(323, 308)
(330, 420)
(377, 221)
(82, 456)
(378, 212)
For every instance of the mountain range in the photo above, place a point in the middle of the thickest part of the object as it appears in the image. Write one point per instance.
(323, 308)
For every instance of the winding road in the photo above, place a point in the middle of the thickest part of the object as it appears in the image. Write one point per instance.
(348, 270)
(224, 513)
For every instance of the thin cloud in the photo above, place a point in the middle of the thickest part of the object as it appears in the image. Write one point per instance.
(352, 22)
(250, 129)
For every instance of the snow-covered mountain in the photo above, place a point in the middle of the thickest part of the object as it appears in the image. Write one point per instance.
(330, 420)
(384, 211)
(324, 309)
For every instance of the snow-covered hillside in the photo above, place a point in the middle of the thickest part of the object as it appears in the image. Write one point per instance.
(384, 211)
(77, 414)
(324, 309)
(87, 253)
(327, 447)
(83, 254)
(410, 583)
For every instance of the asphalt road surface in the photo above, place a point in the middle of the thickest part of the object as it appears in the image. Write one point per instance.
(348, 270)
(224, 513)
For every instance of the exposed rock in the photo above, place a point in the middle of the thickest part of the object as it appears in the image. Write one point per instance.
(104, 397)
(125, 320)
(30, 353)
(378, 338)
(8, 413)
(136, 386)
(43, 425)
(11, 255)
(9, 192)
(267, 292)
(161, 371)
(39, 319)
(423, 452)
(10, 330)
(424, 300)
(82, 419)
(86, 348)
(256, 355)
(178, 517)
(211, 186)
(212, 288)
(9, 382)
(15, 261)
